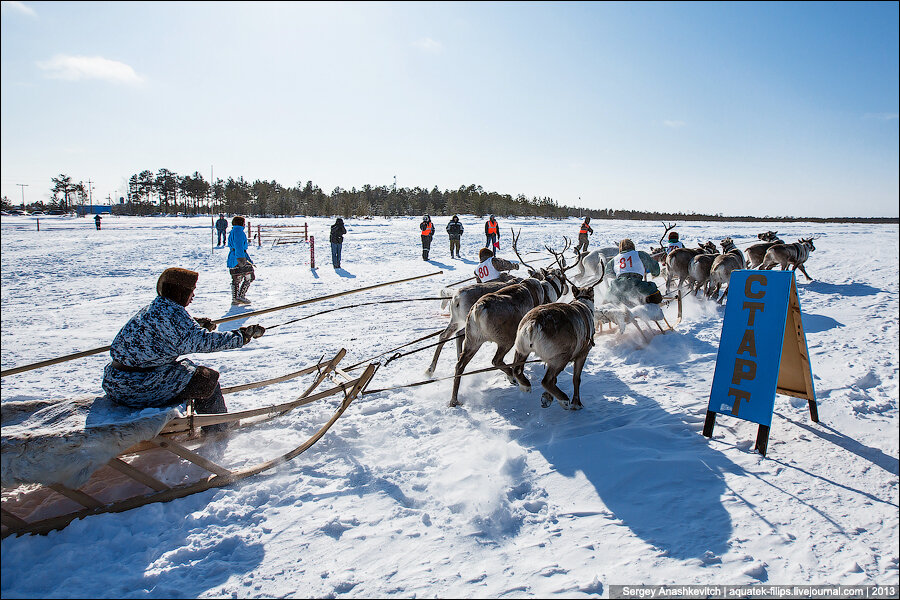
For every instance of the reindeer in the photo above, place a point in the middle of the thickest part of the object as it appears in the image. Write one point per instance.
(730, 260)
(789, 254)
(558, 334)
(592, 265)
(678, 262)
(757, 252)
(495, 317)
(699, 269)
(460, 303)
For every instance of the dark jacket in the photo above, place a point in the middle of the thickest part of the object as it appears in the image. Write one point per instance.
(455, 229)
(337, 232)
(221, 224)
(487, 225)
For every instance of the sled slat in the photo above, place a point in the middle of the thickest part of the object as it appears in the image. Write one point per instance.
(123, 467)
(193, 457)
(10, 520)
(79, 497)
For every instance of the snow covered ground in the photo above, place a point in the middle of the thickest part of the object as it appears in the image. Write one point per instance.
(405, 497)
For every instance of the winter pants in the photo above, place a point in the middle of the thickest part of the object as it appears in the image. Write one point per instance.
(336, 255)
(582, 243)
(222, 237)
(454, 247)
(426, 246)
(241, 277)
(492, 240)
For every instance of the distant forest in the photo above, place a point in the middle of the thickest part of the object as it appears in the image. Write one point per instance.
(166, 192)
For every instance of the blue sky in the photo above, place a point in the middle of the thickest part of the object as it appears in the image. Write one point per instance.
(779, 109)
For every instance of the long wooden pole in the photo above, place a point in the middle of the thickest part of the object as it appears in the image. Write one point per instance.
(60, 359)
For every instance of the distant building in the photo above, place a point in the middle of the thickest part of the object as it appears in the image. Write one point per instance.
(94, 209)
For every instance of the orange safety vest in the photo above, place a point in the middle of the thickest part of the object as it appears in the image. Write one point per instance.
(492, 226)
(429, 229)
(584, 229)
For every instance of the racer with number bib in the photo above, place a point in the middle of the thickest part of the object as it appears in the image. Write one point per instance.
(630, 267)
(491, 268)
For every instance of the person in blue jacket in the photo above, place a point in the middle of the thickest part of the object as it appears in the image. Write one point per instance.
(239, 264)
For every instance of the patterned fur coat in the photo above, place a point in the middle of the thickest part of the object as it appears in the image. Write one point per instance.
(153, 339)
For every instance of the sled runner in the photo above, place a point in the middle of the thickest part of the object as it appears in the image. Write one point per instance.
(621, 316)
(165, 463)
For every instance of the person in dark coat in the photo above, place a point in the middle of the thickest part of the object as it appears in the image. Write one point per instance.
(145, 371)
(221, 228)
(455, 231)
(97, 221)
(583, 232)
(427, 228)
(337, 240)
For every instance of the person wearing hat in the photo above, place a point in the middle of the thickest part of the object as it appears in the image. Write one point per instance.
(239, 264)
(583, 236)
(145, 371)
(490, 267)
(427, 228)
(674, 243)
(630, 267)
(337, 240)
(455, 231)
(492, 234)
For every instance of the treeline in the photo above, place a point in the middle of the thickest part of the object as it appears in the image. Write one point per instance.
(166, 192)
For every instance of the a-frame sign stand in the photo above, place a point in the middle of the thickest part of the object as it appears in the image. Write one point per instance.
(762, 351)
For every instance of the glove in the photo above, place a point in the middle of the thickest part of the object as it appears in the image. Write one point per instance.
(251, 331)
(206, 323)
(516, 268)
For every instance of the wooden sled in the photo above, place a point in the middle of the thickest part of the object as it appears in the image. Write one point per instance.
(666, 302)
(127, 482)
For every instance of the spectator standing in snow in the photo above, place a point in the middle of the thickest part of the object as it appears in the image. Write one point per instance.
(427, 228)
(583, 236)
(239, 264)
(490, 267)
(97, 221)
(337, 240)
(221, 229)
(492, 234)
(455, 231)
(145, 371)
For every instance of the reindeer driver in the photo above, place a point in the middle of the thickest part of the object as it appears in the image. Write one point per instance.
(629, 287)
(490, 267)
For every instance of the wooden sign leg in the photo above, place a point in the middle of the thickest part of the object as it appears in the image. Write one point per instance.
(813, 411)
(762, 439)
(709, 423)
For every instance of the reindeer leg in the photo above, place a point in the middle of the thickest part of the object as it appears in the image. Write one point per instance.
(445, 335)
(576, 381)
(549, 384)
(519, 372)
(802, 270)
(497, 361)
(469, 351)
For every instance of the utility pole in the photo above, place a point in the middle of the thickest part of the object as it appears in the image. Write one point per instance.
(23, 186)
(90, 196)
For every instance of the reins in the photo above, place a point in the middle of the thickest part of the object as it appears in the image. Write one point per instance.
(418, 383)
(352, 306)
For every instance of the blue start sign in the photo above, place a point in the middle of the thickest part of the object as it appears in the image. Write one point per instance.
(762, 351)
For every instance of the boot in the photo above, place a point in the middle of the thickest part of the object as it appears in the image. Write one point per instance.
(242, 294)
(235, 301)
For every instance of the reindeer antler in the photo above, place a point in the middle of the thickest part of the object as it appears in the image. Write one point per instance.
(668, 229)
(515, 241)
(560, 256)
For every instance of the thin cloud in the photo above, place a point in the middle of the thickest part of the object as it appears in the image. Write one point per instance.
(428, 45)
(882, 116)
(18, 7)
(674, 124)
(76, 68)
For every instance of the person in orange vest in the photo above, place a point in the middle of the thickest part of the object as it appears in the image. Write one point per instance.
(427, 228)
(583, 236)
(492, 234)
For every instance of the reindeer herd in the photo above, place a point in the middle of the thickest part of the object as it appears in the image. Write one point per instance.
(525, 314)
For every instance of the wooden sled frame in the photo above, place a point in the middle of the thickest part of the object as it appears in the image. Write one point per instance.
(666, 302)
(185, 427)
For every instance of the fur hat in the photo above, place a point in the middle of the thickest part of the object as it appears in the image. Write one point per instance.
(673, 236)
(238, 221)
(626, 245)
(485, 253)
(176, 284)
